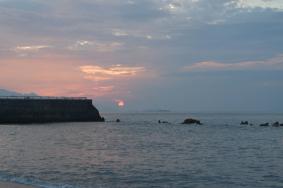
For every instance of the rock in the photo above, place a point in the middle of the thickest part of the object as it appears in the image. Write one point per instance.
(244, 122)
(190, 121)
(264, 124)
(163, 122)
(276, 124)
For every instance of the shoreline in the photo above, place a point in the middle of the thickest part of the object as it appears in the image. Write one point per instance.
(4, 184)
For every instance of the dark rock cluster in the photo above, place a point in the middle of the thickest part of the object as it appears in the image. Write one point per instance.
(163, 122)
(275, 124)
(190, 121)
(244, 122)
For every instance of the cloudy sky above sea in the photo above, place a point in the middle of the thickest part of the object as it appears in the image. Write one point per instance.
(182, 55)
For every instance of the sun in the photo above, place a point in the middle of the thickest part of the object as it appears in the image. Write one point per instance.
(120, 103)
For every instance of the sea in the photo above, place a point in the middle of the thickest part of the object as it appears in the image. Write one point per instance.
(139, 152)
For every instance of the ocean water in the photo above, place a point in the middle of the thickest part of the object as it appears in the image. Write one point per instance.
(140, 153)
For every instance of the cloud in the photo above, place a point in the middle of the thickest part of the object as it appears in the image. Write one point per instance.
(140, 11)
(109, 47)
(34, 48)
(265, 4)
(140, 34)
(63, 21)
(95, 45)
(269, 64)
(98, 73)
(119, 33)
(80, 45)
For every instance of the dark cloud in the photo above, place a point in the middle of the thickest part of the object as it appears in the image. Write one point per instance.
(141, 11)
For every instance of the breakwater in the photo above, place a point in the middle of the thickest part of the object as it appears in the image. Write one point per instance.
(24, 110)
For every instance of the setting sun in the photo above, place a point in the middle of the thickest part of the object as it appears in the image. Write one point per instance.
(120, 103)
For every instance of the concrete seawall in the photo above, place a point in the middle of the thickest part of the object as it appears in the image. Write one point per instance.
(44, 110)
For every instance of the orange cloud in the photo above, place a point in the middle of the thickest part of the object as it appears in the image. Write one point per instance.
(272, 63)
(98, 73)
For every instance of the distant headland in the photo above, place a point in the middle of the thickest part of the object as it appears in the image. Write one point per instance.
(36, 109)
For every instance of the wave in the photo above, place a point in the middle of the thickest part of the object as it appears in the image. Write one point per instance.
(6, 177)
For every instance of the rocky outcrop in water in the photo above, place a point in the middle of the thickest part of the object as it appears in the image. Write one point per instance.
(191, 121)
(264, 125)
(276, 124)
(163, 122)
(244, 123)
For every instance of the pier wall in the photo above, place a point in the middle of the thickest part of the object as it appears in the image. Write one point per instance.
(47, 110)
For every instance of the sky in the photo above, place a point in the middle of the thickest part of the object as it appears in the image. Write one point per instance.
(140, 55)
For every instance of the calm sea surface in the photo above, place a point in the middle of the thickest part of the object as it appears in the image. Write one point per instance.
(140, 153)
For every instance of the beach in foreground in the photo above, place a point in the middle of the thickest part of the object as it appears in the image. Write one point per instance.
(13, 185)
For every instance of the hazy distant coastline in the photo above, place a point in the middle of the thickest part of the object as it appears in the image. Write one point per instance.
(4, 92)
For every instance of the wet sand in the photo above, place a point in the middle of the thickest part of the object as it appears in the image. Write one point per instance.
(13, 185)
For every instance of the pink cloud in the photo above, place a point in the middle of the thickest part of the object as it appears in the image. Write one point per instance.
(273, 63)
